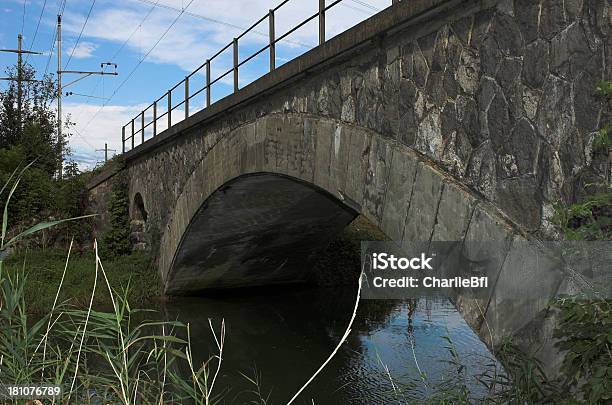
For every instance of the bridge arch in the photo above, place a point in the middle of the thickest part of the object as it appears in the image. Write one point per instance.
(347, 169)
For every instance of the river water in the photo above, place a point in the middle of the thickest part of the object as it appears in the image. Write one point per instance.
(279, 337)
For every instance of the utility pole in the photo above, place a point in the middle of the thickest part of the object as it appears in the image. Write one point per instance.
(60, 87)
(19, 51)
(105, 150)
(59, 93)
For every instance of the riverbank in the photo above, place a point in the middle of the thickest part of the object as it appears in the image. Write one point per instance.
(339, 265)
(44, 269)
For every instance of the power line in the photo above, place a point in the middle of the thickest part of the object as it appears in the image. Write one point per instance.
(62, 8)
(129, 76)
(356, 8)
(60, 11)
(23, 17)
(135, 30)
(225, 23)
(37, 26)
(366, 5)
(51, 51)
(101, 78)
(84, 139)
(80, 33)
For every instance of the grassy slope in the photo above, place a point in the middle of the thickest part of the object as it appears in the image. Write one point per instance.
(44, 270)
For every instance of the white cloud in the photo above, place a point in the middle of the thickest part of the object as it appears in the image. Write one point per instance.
(82, 50)
(105, 129)
(187, 45)
(193, 39)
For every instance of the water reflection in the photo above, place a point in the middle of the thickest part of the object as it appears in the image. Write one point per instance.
(280, 337)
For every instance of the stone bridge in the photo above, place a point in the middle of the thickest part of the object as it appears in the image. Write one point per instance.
(435, 119)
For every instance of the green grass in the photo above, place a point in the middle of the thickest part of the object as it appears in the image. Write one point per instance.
(44, 268)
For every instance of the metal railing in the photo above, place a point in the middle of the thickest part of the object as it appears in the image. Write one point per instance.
(130, 137)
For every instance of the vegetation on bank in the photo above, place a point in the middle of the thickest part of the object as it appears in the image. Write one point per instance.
(44, 270)
(110, 357)
(53, 186)
(584, 324)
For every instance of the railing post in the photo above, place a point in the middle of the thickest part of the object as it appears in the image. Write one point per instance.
(272, 41)
(321, 22)
(142, 126)
(123, 139)
(186, 97)
(133, 135)
(207, 82)
(154, 118)
(235, 65)
(169, 108)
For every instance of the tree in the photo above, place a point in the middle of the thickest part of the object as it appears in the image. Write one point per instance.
(36, 133)
(33, 139)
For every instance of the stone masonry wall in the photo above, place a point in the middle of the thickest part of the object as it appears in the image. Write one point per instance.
(500, 95)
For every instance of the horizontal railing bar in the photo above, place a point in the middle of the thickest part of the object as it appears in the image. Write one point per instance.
(168, 94)
(286, 34)
(176, 85)
(280, 5)
(177, 105)
(162, 115)
(221, 51)
(196, 70)
(252, 26)
(197, 92)
(332, 4)
(254, 55)
(222, 76)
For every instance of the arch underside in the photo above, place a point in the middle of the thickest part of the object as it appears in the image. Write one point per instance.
(258, 229)
(267, 196)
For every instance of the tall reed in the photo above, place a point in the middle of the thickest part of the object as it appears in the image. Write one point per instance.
(112, 357)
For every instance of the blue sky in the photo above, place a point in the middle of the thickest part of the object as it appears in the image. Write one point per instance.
(125, 32)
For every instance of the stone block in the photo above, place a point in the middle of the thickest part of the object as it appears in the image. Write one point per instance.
(294, 134)
(486, 244)
(424, 204)
(357, 165)
(454, 213)
(338, 166)
(376, 179)
(323, 132)
(529, 278)
(308, 151)
(399, 192)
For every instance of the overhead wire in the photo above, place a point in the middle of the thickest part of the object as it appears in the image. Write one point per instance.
(23, 17)
(366, 5)
(221, 22)
(36, 30)
(129, 76)
(135, 30)
(93, 3)
(119, 50)
(60, 11)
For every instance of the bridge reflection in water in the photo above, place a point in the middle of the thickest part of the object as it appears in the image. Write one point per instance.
(284, 336)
